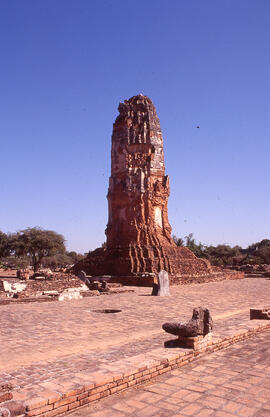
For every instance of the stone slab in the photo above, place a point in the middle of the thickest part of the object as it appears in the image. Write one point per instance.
(262, 313)
(164, 285)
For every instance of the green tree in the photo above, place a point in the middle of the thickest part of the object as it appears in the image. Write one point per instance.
(178, 240)
(197, 248)
(73, 257)
(56, 261)
(4, 245)
(38, 244)
(264, 254)
(258, 253)
(222, 255)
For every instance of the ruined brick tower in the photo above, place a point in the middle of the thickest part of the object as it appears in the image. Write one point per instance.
(139, 242)
(138, 190)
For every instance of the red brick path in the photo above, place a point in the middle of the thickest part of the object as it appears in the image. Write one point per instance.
(47, 349)
(233, 382)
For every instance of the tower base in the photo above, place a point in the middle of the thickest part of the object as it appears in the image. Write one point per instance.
(139, 265)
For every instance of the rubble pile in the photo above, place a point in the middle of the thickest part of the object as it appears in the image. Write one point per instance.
(59, 286)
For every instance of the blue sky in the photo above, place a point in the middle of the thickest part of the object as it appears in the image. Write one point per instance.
(65, 66)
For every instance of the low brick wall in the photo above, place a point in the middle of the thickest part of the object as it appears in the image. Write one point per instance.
(142, 280)
(58, 399)
(201, 278)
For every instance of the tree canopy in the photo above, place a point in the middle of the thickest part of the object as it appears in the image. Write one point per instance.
(38, 244)
(225, 255)
(4, 245)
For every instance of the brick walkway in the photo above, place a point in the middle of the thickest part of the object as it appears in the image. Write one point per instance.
(46, 347)
(233, 382)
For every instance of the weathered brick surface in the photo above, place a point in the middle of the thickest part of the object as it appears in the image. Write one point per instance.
(232, 382)
(58, 407)
(112, 367)
(5, 396)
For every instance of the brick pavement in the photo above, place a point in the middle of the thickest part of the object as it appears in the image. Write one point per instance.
(46, 347)
(233, 382)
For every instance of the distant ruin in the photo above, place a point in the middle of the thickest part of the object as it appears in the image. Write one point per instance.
(139, 242)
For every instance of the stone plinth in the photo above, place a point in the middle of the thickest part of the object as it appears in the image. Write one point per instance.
(198, 343)
(139, 241)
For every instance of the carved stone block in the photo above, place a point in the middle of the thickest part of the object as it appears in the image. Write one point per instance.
(260, 313)
(200, 324)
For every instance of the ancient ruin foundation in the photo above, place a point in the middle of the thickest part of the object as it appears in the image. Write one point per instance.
(139, 242)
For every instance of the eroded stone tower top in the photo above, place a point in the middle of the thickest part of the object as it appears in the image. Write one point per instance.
(137, 138)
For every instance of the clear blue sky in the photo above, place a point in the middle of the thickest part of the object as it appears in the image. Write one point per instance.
(65, 66)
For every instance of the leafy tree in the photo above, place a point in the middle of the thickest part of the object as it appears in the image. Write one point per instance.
(58, 260)
(225, 255)
(190, 241)
(178, 240)
(264, 242)
(197, 248)
(258, 253)
(251, 249)
(61, 259)
(264, 254)
(74, 257)
(4, 245)
(38, 244)
(222, 255)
